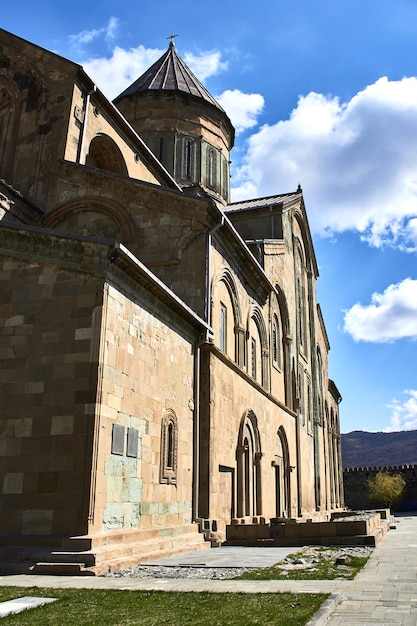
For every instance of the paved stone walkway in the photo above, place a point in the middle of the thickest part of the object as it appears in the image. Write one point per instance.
(383, 594)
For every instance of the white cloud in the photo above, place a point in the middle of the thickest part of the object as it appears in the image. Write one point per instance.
(242, 108)
(85, 37)
(356, 161)
(114, 74)
(391, 315)
(404, 414)
(205, 64)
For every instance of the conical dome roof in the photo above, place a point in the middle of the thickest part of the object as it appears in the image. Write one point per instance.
(170, 73)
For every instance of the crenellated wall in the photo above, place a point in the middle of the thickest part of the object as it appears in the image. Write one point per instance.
(356, 485)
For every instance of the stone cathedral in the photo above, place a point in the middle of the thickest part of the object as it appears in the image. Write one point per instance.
(163, 358)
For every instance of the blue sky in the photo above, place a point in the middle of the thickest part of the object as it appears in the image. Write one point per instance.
(321, 94)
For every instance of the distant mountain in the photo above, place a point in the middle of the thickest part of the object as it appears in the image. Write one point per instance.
(363, 449)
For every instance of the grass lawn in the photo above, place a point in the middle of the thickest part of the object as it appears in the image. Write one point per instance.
(321, 567)
(153, 608)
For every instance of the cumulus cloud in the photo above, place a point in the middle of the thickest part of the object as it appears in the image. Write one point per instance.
(205, 64)
(391, 315)
(85, 37)
(242, 108)
(404, 414)
(114, 74)
(356, 161)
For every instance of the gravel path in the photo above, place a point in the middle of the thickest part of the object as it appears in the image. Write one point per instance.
(220, 573)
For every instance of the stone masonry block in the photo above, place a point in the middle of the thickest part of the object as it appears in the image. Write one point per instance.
(62, 424)
(13, 482)
(37, 522)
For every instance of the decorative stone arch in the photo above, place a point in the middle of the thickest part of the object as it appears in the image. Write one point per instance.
(282, 476)
(255, 315)
(169, 448)
(248, 459)
(305, 238)
(285, 343)
(225, 276)
(301, 294)
(10, 106)
(326, 452)
(69, 216)
(105, 154)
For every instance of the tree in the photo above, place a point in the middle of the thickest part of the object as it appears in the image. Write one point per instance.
(386, 489)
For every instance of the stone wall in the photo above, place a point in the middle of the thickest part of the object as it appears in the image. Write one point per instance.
(356, 485)
(49, 315)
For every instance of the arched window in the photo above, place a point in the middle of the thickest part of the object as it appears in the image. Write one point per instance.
(211, 168)
(169, 448)
(301, 301)
(188, 158)
(309, 407)
(226, 316)
(300, 395)
(223, 328)
(254, 359)
(225, 180)
(276, 342)
(258, 353)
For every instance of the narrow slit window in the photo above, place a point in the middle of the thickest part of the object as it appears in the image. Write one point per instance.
(223, 328)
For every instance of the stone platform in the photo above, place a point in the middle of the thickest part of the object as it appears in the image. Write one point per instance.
(344, 529)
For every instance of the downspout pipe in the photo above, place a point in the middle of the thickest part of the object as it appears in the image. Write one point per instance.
(81, 144)
(197, 373)
(208, 271)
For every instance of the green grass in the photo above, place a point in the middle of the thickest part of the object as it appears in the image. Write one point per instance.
(156, 608)
(322, 569)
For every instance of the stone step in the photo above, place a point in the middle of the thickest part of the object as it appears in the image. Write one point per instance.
(99, 553)
(32, 540)
(129, 562)
(61, 569)
(34, 554)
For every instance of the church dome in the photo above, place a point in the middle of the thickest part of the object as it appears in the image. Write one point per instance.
(170, 73)
(183, 125)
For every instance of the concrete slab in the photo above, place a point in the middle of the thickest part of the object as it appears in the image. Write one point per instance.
(22, 604)
(228, 556)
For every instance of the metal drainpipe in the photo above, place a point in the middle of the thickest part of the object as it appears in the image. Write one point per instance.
(81, 144)
(196, 434)
(208, 271)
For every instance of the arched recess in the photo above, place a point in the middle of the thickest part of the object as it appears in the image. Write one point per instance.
(258, 352)
(285, 346)
(282, 476)
(105, 154)
(9, 120)
(227, 324)
(301, 294)
(326, 454)
(248, 458)
(92, 216)
(306, 244)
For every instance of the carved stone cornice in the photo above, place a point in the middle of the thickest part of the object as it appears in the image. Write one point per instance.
(105, 259)
(37, 244)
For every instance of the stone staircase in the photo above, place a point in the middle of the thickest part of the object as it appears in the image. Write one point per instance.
(96, 554)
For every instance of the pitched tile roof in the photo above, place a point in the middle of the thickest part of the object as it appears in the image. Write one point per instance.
(257, 203)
